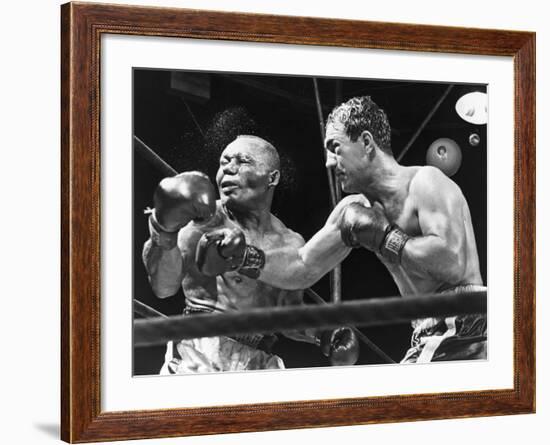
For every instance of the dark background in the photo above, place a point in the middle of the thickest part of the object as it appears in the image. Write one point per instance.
(189, 117)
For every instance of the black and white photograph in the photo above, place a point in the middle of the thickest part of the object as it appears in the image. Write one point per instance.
(275, 222)
(270, 198)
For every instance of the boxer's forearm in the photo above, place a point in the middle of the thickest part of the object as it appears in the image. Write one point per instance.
(164, 269)
(291, 267)
(432, 257)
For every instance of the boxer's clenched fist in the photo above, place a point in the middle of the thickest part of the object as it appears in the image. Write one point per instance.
(182, 198)
(226, 250)
(363, 226)
(368, 227)
(220, 251)
(340, 346)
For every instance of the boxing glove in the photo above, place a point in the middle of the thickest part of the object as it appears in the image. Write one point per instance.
(182, 198)
(226, 250)
(340, 346)
(368, 227)
(178, 200)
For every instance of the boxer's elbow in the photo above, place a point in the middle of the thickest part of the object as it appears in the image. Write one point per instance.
(292, 281)
(163, 285)
(163, 290)
(163, 293)
(296, 271)
(305, 276)
(302, 281)
(295, 277)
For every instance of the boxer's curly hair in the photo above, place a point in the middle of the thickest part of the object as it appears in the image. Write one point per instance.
(362, 113)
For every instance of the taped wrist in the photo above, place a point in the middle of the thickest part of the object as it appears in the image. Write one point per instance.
(160, 236)
(253, 262)
(393, 244)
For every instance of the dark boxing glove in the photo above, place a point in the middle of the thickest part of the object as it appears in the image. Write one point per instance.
(340, 346)
(225, 250)
(178, 200)
(182, 198)
(368, 227)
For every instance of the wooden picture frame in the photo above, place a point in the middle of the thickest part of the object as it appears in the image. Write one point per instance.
(82, 26)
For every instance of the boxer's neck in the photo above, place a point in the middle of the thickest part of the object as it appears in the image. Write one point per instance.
(386, 183)
(251, 219)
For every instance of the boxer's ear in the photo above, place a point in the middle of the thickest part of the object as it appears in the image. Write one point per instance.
(368, 141)
(274, 178)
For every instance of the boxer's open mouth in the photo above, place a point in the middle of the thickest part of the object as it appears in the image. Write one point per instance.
(227, 186)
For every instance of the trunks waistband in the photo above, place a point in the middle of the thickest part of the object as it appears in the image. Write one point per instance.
(421, 326)
(263, 342)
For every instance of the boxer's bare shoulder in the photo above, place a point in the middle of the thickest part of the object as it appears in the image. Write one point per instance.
(431, 187)
(285, 235)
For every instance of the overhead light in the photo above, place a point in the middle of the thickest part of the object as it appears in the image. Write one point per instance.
(445, 154)
(474, 139)
(472, 107)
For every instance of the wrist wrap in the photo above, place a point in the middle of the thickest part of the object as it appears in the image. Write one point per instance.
(160, 236)
(393, 244)
(253, 262)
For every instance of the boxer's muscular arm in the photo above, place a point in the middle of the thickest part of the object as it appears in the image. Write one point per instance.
(180, 199)
(439, 253)
(298, 266)
(167, 268)
(164, 268)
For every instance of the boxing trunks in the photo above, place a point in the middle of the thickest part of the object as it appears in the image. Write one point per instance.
(217, 354)
(462, 337)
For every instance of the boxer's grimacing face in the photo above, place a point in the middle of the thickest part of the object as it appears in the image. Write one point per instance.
(347, 158)
(243, 175)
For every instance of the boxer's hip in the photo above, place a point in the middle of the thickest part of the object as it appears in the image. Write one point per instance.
(469, 324)
(461, 337)
(257, 341)
(219, 354)
(216, 354)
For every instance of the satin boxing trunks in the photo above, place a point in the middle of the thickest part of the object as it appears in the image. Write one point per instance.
(215, 354)
(462, 337)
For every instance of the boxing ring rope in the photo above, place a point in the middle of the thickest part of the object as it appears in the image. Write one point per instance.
(373, 312)
(147, 311)
(150, 155)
